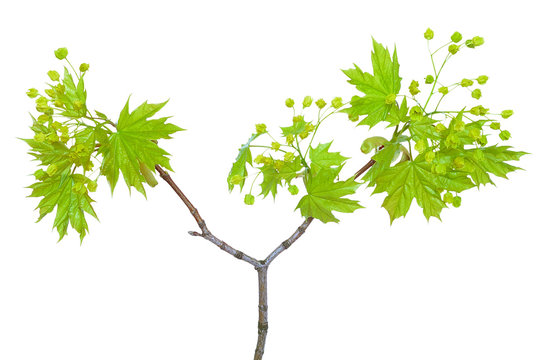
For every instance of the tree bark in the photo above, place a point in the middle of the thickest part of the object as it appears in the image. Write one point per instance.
(262, 326)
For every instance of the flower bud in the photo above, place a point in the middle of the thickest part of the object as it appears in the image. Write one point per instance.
(307, 102)
(78, 105)
(416, 113)
(336, 102)
(61, 53)
(40, 174)
(289, 103)
(458, 125)
(495, 125)
(482, 79)
(52, 138)
(459, 162)
(83, 67)
(507, 113)
(353, 117)
(477, 94)
(298, 118)
(390, 99)
(482, 140)
(288, 157)
(429, 79)
(293, 189)
(448, 198)
(414, 88)
(467, 82)
(42, 119)
(453, 49)
(53, 75)
(50, 92)
(477, 41)
(289, 139)
(39, 137)
(443, 90)
(504, 135)
(237, 179)
(249, 199)
(456, 201)
(440, 127)
(260, 159)
(51, 169)
(456, 37)
(275, 146)
(420, 146)
(260, 128)
(452, 141)
(428, 34)
(320, 103)
(439, 169)
(304, 134)
(474, 134)
(32, 93)
(429, 156)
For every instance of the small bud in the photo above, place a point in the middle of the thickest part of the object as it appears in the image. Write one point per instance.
(321, 103)
(293, 189)
(58, 103)
(495, 125)
(469, 44)
(40, 174)
(32, 93)
(260, 159)
(289, 139)
(304, 134)
(477, 41)
(467, 82)
(439, 169)
(429, 79)
(336, 102)
(428, 34)
(482, 140)
(459, 163)
(236, 179)
(79, 188)
(309, 127)
(83, 67)
(307, 102)
(453, 49)
(289, 103)
(275, 146)
(452, 141)
(298, 118)
(64, 138)
(60, 88)
(482, 79)
(53, 75)
(288, 157)
(52, 138)
(448, 197)
(416, 113)
(420, 146)
(78, 105)
(504, 135)
(440, 127)
(458, 125)
(413, 88)
(61, 53)
(51, 169)
(443, 90)
(390, 99)
(429, 156)
(479, 110)
(92, 185)
(249, 199)
(50, 92)
(42, 119)
(456, 201)
(260, 128)
(477, 94)
(474, 134)
(456, 37)
(507, 113)
(39, 137)
(278, 164)
(353, 117)
(56, 125)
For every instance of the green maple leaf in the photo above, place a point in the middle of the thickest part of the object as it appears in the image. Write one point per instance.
(407, 181)
(322, 158)
(134, 144)
(58, 192)
(491, 159)
(296, 129)
(383, 159)
(324, 195)
(72, 95)
(239, 165)
(378, 88)
(424, 129)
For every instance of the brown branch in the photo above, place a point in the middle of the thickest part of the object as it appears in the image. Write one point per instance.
(263, 312)
(206, 234)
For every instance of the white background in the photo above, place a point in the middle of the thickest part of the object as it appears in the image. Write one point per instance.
(470, 287)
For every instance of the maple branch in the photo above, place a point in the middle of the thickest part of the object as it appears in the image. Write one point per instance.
(206, 233)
